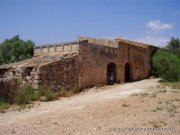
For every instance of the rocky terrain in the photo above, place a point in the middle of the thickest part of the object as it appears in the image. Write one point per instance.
(143, 107)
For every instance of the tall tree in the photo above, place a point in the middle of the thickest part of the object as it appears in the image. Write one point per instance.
(173, 44)
(15, 49)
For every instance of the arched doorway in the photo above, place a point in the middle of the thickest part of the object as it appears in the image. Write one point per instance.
(111, 73)
(127, 73)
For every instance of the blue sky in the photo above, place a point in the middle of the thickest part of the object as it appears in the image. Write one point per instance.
(53, 21)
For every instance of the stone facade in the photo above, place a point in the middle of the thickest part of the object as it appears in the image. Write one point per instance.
(81, 64)
(96, 54)
(61, 74)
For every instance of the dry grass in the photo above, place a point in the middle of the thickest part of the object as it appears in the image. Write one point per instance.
(158, 124)
(174, 85)
(163, 90)
(66, 93)
(3, 106)
(143, 94)
(171, 108)
(155, 124)
(125, 105)
(159, 102)
(176, 99)
(159, 108)
(153, 95)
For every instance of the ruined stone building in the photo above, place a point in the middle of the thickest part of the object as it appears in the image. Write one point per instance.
(81, 64)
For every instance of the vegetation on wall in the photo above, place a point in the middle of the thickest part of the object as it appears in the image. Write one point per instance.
(166, 62)
(15, 49)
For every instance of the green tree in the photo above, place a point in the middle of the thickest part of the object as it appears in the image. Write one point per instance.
(166, 65)
(174, 46)
(15, 49)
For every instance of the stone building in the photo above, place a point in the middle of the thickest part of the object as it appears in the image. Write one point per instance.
(81, 64)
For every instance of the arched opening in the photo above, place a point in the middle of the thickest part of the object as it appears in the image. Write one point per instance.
(111, 73)
(127, 73)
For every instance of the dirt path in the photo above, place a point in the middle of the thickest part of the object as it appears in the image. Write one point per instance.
(96, 111)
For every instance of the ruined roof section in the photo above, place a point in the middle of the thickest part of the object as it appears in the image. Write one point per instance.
(38, 61)
(114, 42)
(135, 43)
(105, 42)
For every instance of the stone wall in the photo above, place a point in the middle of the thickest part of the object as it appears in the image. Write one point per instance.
(135, 57)
(93, 61)
(138, 58)
(58, 73)
(11, 82)
(61, 74)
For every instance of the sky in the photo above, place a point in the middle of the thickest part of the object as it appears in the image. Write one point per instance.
(55, 21)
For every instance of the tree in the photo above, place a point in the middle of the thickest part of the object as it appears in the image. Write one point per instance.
(174, 46)
(166, 65)
(15, 49)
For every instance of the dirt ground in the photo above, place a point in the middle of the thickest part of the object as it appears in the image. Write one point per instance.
(143, 108)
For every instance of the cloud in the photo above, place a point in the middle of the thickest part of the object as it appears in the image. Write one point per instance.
(157, 41)
(157, 25)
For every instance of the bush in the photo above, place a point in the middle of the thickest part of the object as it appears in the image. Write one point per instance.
(174, 85)
(46, 92)
(66, 93)
(3, 105)
(166, 65)
(25, 95)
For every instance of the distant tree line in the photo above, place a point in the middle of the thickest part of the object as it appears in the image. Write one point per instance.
(15, 49)
(166, 61)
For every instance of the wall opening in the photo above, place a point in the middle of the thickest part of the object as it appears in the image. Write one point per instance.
(2, 72)
(29, 69)
(111, 73)
(127, 73)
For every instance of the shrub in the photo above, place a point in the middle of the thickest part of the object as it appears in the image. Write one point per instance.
(66, 93)
(174, 85)
(46, 92)
(166, 65)
(3, 105)
(25, 95)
